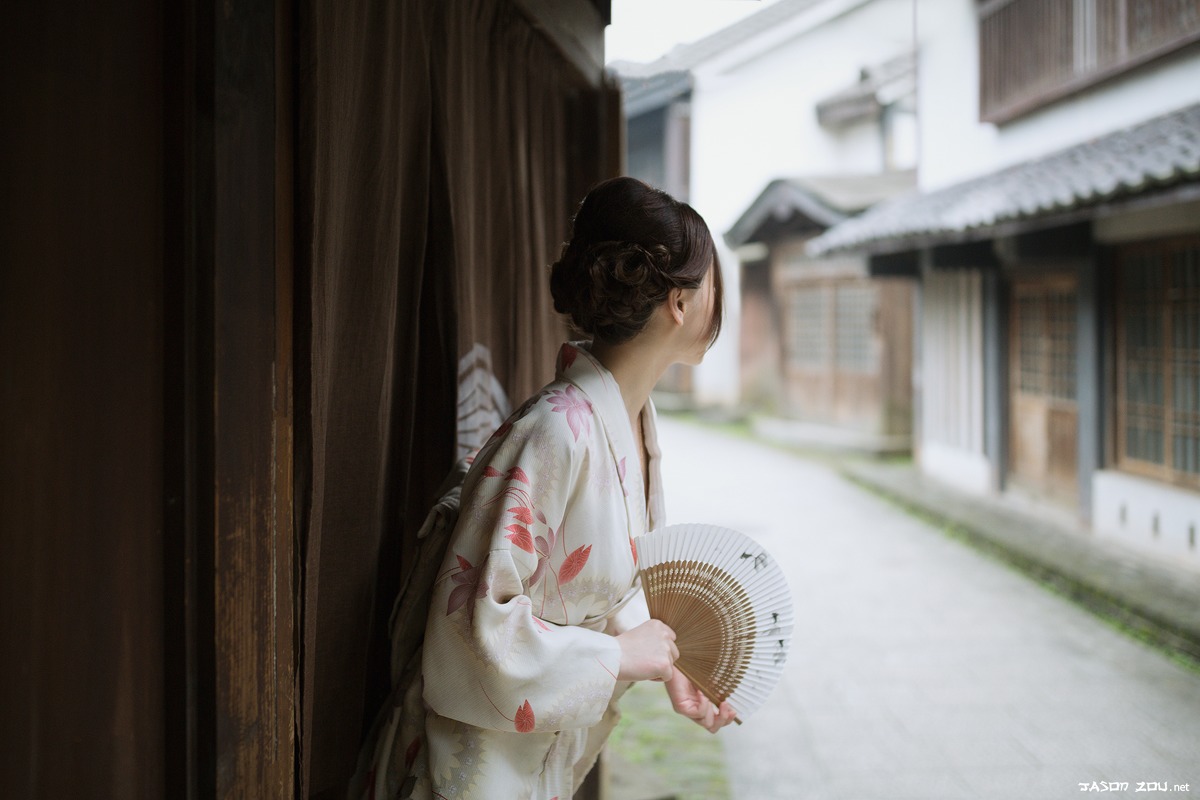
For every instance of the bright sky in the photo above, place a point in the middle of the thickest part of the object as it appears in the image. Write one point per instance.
(642, 30)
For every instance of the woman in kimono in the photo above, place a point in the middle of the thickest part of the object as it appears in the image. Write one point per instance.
(536, 625)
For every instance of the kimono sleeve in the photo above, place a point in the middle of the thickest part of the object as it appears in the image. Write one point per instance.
(503, 648)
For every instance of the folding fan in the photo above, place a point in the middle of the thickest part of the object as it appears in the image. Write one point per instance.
(729, 605)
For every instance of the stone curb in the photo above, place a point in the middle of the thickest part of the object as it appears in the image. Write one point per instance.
(1152, 599)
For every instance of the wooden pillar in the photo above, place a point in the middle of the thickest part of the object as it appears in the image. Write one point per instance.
(1090, 381)
(228, 294)
(995, 375)
(251, 538)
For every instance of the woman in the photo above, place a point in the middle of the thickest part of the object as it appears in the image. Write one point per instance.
(529, 641)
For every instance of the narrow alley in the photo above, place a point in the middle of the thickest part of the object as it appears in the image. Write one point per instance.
(922, 668)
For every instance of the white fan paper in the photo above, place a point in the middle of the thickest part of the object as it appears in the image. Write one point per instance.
(730, 607)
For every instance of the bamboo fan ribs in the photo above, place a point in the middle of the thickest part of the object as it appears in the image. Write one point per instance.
(729, 605)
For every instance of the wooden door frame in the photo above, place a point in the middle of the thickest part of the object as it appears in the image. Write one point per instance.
(230, 546)
(1018, 285)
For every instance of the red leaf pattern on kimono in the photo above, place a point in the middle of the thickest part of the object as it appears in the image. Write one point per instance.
(573, 563)
(410, 755)
(522, 514)
(542, 547)
(524, 721)
(538, 572)
(569, 401)
(540, 624)
(518, 474)
(491, 472)
(520, 537)
(470, 586)
(541, 517)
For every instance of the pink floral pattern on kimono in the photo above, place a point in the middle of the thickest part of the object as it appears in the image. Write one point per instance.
(518, 682)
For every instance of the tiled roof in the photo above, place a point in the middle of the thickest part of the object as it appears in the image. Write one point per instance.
(814, 201)
(641, 94)
(1155, 154)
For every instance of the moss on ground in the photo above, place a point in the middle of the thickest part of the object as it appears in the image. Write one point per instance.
(682, 759)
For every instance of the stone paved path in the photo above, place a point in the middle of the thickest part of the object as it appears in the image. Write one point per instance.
(921, 668)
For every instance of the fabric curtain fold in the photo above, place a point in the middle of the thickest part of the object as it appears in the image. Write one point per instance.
(443, 150)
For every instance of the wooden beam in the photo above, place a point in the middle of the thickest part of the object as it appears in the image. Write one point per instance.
(1068, 241)
(904, 264)
(967, 255)
(575, 28)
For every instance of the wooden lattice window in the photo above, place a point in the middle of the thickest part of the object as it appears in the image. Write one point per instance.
(1033, 52)
(808, 343)
(1158, 354)
(855, 328)
(1046, 338)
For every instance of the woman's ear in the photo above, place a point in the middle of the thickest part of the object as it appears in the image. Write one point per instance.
(676, 305)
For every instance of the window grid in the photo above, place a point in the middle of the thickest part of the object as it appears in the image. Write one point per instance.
(1159, 361)
(1046, 338)
(855, 328)
(1185, 368)
(809, 341)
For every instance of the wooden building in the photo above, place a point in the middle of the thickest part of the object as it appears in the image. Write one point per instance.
(1055, 243)
(822, 340)
(243, 250)
(799, 87)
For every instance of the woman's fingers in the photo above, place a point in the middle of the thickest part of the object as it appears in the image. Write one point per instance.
(647, 652)
(690, 702)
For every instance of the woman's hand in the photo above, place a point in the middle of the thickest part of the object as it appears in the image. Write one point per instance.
(690, 702)
(647, 652)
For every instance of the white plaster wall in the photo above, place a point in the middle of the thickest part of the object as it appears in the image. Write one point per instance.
(951, 330)
(955, 145)
(754, 120)
(951, 366)
(954, 466)
(1127, 507)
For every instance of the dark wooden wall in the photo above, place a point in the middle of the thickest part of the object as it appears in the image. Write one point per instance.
(156, 381)
(81, 381)
(146, 542)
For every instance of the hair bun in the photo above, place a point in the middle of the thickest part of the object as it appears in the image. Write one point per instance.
(628, 263)
(610, 289)
(631, 245)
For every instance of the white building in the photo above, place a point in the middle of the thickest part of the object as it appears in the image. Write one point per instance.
(715, 121)
(1056, 244)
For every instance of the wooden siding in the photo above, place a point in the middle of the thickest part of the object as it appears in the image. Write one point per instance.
(846, 345)
(1067, 45)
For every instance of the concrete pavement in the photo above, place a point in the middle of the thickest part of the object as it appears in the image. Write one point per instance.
(922, 668)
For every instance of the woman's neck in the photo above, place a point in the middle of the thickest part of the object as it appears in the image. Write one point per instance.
(636, 370)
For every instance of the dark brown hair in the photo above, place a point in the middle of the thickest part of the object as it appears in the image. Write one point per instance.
(631, 244)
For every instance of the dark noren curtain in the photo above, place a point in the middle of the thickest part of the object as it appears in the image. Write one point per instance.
(443, 145)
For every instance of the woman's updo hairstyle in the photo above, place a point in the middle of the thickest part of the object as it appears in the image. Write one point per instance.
(631, 244)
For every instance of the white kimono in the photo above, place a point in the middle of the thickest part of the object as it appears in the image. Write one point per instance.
(520, 664)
